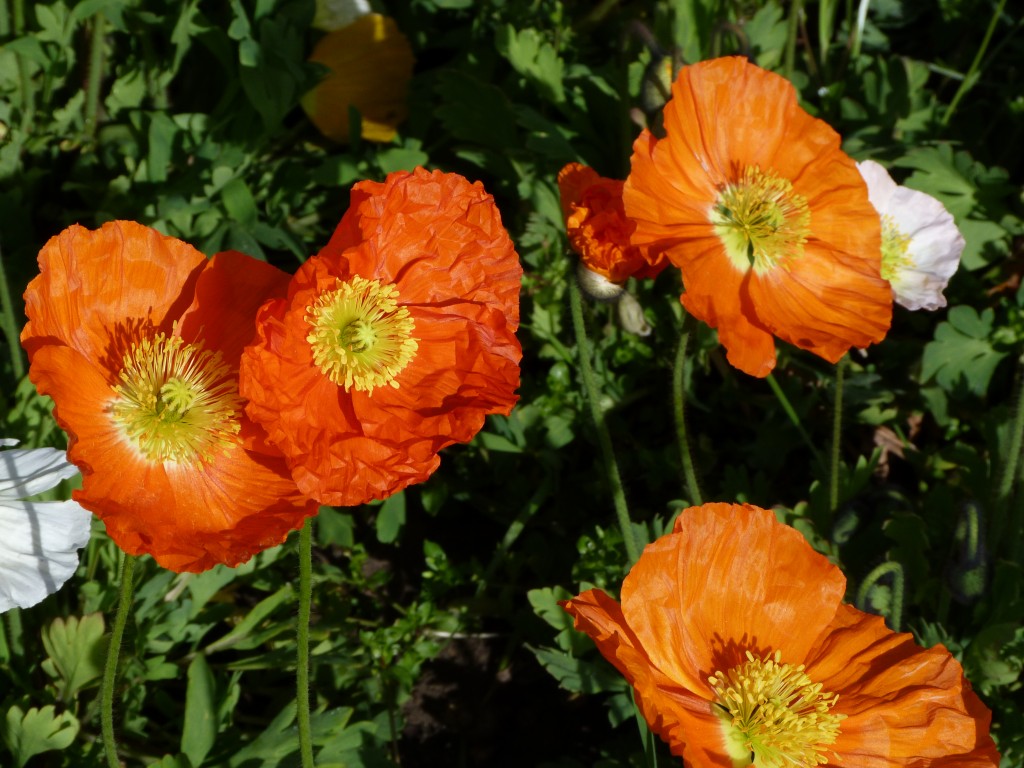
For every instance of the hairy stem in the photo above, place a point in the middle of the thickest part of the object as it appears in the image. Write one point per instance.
(603, 437)
(837, 434)
(9, 323)
(124, 606)
(679, 401)
(302, 644)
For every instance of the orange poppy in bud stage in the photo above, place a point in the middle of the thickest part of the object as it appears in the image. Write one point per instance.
(734, 636)
(370, 65)
(765, 216)
(598, 228)
(396, 340)
(136, 336)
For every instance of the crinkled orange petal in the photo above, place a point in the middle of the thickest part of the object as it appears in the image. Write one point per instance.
(190, 517)
(725, 116)
(97, 290)
(572, 180)
(905, 705)
(370, 64)
(439, 240)
(701, 596)
(680, 717)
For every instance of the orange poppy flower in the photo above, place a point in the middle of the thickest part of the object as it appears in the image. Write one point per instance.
(393, 342)
(768, 220)
(733, 633)
(370, 65)
(136, 336)
(598, 228)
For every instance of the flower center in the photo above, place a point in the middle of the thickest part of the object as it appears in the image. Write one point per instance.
(361, 338)
(176, 401)
(760, 220)
(773, 714)
(895, 249)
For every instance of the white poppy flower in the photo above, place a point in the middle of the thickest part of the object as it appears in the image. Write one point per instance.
(40, 540)
(921, 244)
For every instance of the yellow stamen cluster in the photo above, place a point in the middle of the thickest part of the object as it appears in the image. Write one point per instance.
(760, 220)
(176, 402)
(895, 249)
(361, 338)
(774, 713)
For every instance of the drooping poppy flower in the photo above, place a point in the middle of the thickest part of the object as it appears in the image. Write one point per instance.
(136, 336)
(41, 539)
(370, 63)
(598, 228)
(396, 340)
(921, 245)
(767, 219)
(734, 636)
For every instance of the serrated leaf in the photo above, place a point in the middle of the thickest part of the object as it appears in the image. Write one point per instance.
(36, 731)
(577, 675)
(961, 356)
(76, 649)
(534, 58)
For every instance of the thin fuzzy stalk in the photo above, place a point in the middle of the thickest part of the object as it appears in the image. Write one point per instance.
(968, 82)
(679, 401)
(92, 90)
(124, 606)
(837, 433)
(28, 96)
(789, 65)
(10, 324)
(1008, 477)
(302, 644)
(603, 437)
(790, 412)
(895, 570)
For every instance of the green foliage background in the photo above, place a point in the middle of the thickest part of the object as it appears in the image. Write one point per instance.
(434, 613)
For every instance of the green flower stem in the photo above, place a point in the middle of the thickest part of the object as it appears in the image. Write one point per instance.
(972, 74)
(124, 606)
(92, 90)
(1010, 471)
(302, 650)
(603, 438)
(837, 433)
(679, 401)
(9, 323)
(28, 96)
(789, 59)
(895, 612)
(787, 406)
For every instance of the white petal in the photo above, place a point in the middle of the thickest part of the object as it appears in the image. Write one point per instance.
(38, 549)
(935, 242)
(880, 184)
(28, 471)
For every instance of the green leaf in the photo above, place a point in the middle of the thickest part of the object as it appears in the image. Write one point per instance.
(474, 111)
(36, 731)
(162, 131)
(76, 649)
(391, 518)
(577, 675)
(994, 657)
(200, 730)
(534, 58)
(239, 202)
(240, 636)
(961, 357)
